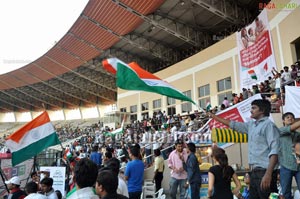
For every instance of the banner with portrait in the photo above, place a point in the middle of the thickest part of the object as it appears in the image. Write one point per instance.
(255, 52)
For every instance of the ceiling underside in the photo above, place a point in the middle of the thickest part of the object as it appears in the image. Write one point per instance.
(153, 33)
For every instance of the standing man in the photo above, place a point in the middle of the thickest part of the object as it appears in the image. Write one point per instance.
(134, 174)
(192, 167)
(178, 174)
(263, 144)
(107, 184)
(85, 175)
(288, 165)
(32, 189)
(96, 157)
(47, 189)
(159, 167)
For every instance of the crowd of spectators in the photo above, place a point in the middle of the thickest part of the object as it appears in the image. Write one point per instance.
(272, 88)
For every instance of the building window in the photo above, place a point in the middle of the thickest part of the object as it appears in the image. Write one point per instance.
(186, 106)
(222, 95)
(133, 109)
(157, 104)
(296, 44)
(170, 101)
(171, 110)
(123, 110)
(224, 84)
(145, 106)
(204, 95)
(188, 93)
(133, 117)
(204, 90)
(203, 102)
(145, 116)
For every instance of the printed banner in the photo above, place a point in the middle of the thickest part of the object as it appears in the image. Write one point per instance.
(292, 102)
(255, 52)
(21, 170)
(58, 174)
(240, 112)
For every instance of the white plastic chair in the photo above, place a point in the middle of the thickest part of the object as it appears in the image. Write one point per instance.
(142, 195)
(149, 191)
(163, 196)
(159, 193)
(148, 182)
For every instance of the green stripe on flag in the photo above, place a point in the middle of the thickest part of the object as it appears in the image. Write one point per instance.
(34, 148)
(127, 79)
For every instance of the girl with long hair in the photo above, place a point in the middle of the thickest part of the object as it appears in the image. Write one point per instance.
(220, 176)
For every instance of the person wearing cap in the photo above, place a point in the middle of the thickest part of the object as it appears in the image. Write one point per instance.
(14, 187)
(178, 174)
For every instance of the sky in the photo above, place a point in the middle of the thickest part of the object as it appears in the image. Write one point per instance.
(29, 28)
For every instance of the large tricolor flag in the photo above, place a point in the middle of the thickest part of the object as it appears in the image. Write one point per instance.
(32, 138)
(133, 77)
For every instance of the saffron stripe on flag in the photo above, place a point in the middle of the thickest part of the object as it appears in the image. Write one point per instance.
(38, 121)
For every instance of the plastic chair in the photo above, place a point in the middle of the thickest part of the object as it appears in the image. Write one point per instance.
(148, 182)
(163, 196)
(149, 191)
(142, 195)
(159, 193)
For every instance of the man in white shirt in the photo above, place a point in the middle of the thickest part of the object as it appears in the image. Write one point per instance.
(85, 175)
(46, 187)
(286, 76)
(147, 142)
(114, 165)
(31, 189)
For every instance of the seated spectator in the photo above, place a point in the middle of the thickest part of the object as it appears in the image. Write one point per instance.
(245, 194)
(223, 107)
(235, 98)
(31, 189)
(245, 93)
(226, 102)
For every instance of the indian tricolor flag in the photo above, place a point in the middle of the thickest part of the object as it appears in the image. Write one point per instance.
(67, 154)
(252, 74)
(32, 138)
(133, 77)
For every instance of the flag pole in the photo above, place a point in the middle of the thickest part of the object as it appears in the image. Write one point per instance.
(3, 179)
(68, 165)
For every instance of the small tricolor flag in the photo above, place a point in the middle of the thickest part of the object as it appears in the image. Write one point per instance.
(252, 74)
(67, 154)
(32, 138)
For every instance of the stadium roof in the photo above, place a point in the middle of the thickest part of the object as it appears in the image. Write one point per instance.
(153, 33)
